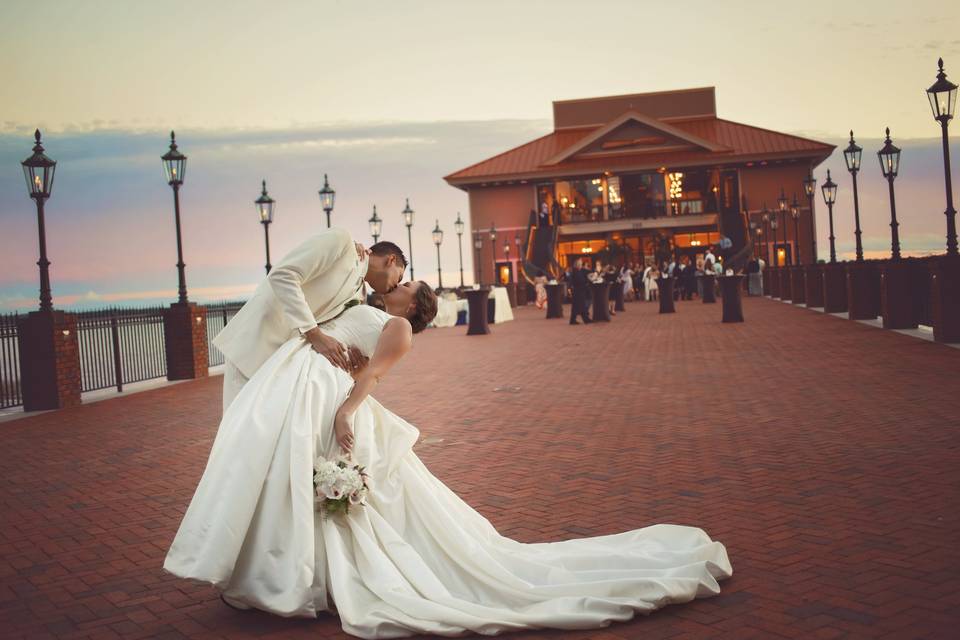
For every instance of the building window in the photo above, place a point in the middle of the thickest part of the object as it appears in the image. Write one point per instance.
(693, 191)
(643, 195)
(580, 200)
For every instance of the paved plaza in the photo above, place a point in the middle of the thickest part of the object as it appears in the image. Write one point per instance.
(822, 452)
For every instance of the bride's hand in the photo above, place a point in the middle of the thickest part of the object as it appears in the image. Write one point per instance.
(343, 428)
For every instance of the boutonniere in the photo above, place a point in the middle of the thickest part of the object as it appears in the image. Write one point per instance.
(352, 302)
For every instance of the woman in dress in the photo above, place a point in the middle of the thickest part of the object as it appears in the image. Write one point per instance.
(626, 278)
(540, 285)
(650, 282)
(416, 558)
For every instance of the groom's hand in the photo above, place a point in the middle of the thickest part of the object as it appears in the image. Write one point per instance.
(357, 360)
(361, 251)
(329, 348)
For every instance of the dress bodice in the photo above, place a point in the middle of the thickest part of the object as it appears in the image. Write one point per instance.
(359, 326)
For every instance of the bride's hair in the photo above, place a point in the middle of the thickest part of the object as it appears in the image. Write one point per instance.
(426, 308)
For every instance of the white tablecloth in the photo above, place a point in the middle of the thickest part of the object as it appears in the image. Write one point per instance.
(449, 306)
(447, 309)
(503, 313)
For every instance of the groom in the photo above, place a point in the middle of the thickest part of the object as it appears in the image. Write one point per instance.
(312, 284)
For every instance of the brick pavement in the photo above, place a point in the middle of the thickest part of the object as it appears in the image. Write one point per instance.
(822, 452)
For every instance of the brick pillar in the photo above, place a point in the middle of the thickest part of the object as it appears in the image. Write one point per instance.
(945, 293)
(49, 360)
(185, 337)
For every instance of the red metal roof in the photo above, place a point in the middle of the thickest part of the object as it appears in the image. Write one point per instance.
(745, 142)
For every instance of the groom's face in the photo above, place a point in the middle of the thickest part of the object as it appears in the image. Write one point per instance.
(385, 273)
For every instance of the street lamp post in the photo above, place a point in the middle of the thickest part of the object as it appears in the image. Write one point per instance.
(795, 212)
(47, 340)
(327, 196)
(408, 221)
(517, 241)
(782, 208)
(889, 157)
(493, 241)
(774, 225)
(478, 245)
(810, 189)
(438, 240)
(184, 323)
(943, 101)
(754, 225)
(851, 156)
(766, 234)
(175, 168)
(376, 225)
(265, 206)
(829, 190)
(458, 227)
(38, 170)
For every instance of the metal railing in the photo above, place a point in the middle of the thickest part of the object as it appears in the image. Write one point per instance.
(10, 394)
(120, 346)
(117, 347)
(217, 317)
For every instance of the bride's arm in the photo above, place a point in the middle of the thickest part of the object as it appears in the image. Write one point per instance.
(395, 340)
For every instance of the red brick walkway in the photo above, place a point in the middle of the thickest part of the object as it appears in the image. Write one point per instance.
(822, 452)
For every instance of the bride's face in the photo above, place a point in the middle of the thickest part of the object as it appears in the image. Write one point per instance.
(399, 301)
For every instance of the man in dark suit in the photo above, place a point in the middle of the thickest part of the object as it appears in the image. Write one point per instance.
(579, 285)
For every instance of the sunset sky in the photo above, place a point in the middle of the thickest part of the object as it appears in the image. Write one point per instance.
(387, 97)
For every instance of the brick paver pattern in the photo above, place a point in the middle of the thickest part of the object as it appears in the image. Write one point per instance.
(822, 452)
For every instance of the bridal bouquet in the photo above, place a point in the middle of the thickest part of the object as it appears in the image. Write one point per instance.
(338, 484)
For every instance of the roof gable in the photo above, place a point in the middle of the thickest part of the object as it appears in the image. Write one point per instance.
(634, 132)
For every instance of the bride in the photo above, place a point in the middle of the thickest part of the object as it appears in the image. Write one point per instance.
(416, 558)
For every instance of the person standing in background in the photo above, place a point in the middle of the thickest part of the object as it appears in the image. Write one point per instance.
(579, 284)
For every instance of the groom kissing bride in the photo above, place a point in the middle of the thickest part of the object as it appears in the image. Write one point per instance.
(302, 360)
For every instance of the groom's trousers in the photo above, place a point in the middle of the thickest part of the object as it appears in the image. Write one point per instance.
(233, 381)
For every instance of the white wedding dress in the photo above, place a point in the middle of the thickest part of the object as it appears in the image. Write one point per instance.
(417, 558)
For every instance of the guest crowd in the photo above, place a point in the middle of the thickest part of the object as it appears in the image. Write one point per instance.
(633, 281)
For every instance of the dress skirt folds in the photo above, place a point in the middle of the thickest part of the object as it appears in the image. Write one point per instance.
(417, 558)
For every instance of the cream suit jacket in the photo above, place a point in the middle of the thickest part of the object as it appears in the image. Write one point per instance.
(310, 285)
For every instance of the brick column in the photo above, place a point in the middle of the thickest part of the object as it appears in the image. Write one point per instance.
(185, 337)
(945, 293)
(49, 360)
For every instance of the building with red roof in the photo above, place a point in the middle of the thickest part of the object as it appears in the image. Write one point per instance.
(649, 174)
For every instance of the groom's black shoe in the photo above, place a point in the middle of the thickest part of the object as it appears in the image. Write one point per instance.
(234, 604)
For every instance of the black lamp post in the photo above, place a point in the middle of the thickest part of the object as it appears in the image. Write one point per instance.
(175, 168)
(889, 157)
(829, 190)
(38, 169)
(766, 233)
(851, 156)
(754, 225)
(782, 208)
(327, 196)
(408, 220)
(376, 225)
(458, 227)
(810, 189)
(265, 206)
(493, 241)
(795, 212)
(478, 245)
(774, 225)
(943, 102)
(438, 240)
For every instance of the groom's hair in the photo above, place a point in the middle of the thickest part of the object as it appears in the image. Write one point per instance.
(425, 308)
(385, 248)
